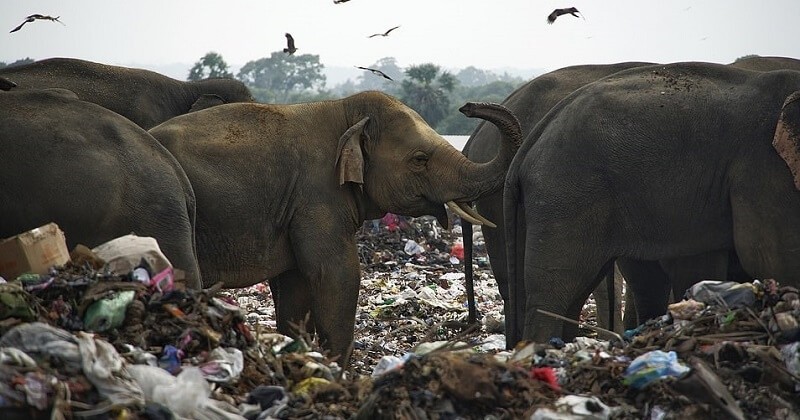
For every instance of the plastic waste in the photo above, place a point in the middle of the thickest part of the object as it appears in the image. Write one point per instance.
(653, 366)
(109, 313)
(170, 359)
(575, 407)
(106, 370)
(791, 356)
(15, 302)
(41, 340)
(731, 293)
(224, 365)
(265, 395)
(686, 309)
(15, 357)
(457, 250)
(547, 375)
(308, 384)
(386, 364)
(123, 254)
(413, 248)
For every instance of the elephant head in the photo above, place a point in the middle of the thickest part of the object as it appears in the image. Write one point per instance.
(405, 167)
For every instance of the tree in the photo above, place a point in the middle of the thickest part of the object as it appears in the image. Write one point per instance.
(283, 78)
(745, 57)
(21, 61)
(426, 91)
(388, 65)
(472, 76)
(210, 65)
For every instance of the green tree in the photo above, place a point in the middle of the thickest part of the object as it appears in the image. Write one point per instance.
(426, 90)
(284, 78)
(210, 65)
(21, 61)
(388, 65)
(745, 57)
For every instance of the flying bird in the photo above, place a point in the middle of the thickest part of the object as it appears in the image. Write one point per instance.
(558, 12)
(340, 1)
(385, 33)
(289, 44)
(32, 18)
(377, 72)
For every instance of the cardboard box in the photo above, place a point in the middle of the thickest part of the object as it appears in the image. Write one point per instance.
(34, 251)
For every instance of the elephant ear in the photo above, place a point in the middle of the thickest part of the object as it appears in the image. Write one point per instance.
(206, 100)
(787, 135)
(349, 157)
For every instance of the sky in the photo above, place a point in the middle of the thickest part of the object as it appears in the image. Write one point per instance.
(487, 34)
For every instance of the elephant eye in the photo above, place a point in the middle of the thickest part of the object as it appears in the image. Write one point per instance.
(419, 159)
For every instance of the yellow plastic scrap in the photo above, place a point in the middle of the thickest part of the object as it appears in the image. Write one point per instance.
(307, 385)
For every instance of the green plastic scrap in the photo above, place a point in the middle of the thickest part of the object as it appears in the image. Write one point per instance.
(15, 302)
(108, 313)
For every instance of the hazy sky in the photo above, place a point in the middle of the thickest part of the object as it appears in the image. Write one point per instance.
(487, 34)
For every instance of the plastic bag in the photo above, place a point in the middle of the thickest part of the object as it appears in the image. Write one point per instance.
(652, 366)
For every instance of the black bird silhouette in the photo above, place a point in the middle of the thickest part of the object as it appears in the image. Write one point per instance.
(289, 44)
(340, 1)
(32, 18)
(374, 71)
(558, 12)
(385, 33)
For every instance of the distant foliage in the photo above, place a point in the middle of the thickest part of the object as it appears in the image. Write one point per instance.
(210, 65)
(745, 57)
(284, 78)
(426, 90)
(26, 60)
(435, 94)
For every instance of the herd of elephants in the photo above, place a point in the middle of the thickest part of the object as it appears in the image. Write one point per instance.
(673, 173)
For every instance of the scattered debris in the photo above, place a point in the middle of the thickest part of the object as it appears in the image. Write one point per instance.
(83, 340)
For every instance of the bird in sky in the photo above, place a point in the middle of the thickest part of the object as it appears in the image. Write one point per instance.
(385, 33)
(340, 1)
(377, 72)
(558, 12)
(289, 44)
(32, 18)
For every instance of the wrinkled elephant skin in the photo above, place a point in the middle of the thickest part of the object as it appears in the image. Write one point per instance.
(147, 98)
(652, 163)
(282, 189)
(94, 173)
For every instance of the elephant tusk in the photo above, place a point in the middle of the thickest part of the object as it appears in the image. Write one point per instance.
(474, 213)
(455, 208)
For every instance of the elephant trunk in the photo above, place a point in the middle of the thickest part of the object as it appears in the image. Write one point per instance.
(479, 179)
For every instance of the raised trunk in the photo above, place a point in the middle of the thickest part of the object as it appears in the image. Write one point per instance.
(479, 179)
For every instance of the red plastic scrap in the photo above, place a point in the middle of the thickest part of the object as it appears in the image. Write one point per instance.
(547, 375)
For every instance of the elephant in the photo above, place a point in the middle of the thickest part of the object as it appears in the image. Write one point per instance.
(282, 190)
(530, 103)
(652, 163)
(94, 173)
(760, 63)
(147, 98)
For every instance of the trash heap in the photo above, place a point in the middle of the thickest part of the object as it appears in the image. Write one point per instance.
(83, 341)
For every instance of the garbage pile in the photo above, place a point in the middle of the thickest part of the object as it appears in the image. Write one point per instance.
(85, 341)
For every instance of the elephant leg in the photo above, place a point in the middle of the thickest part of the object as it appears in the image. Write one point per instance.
(649, 284)
(683, 272)
(292, 298)
(328, 259)
(629, 318)
(557, 281)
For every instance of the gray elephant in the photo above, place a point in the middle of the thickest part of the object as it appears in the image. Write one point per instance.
(651, 163)
(94, 173)
(530, 103)
(147, 98)
(282, 190)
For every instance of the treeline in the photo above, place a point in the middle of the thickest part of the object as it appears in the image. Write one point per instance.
(434, 93)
